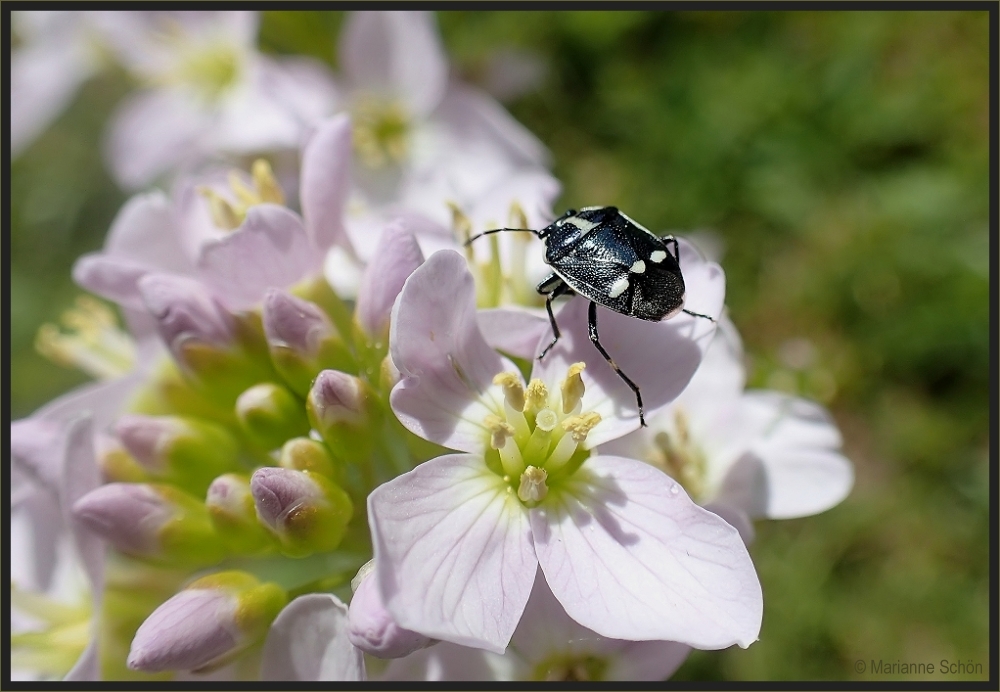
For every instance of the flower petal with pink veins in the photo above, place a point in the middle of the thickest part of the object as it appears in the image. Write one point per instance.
(454, 552)
(630, 556)
(448, 368)
(269, 250)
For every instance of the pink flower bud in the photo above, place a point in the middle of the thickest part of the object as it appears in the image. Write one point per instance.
(278, 493)
(295, 323)
(372, 629)
(190, 630)
(336, 397)
(146, 438)
(185, 311)
(128, 515)
(307, 512)
(213, 617)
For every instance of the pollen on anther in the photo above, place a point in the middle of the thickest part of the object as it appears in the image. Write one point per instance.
(513, 389)
(657, 256)
(579, 426)
(618, 287)
(499, 430)
(532, 487)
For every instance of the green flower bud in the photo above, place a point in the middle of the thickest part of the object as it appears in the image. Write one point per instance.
(270, 414)
(186, 451)
(343, 409)
(157, 522)
(231, 508)
(306, 454)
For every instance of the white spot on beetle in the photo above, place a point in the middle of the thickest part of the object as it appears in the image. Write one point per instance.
(638, 268)
(618, 287)
(657, 256)
(582, 224)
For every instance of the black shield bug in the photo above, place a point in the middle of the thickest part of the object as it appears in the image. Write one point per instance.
(606, 257)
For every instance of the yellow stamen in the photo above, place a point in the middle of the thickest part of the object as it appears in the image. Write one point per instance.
(532, 487)
(499, 430)
(536, 396)
(573, 388)
(93, 343)
(268, 189)
(580, 425)
(518, 219)
(224, 215)
(246, 194)
(513, 389)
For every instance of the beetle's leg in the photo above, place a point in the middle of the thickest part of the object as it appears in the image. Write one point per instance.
(592, 328)
(698, 314)
(552, 287)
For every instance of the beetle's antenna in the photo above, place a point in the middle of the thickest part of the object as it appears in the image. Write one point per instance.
(499, 230)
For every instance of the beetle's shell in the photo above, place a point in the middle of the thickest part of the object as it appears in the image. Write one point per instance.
(605, 256)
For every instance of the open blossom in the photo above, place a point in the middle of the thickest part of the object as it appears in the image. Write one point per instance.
(745, 454)
(208, 92)
(422, 138)
(238, 237)
(458, 540)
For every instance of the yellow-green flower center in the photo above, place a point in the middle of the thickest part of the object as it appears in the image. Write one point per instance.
(537, 440)
(228, 214)
(381, 132)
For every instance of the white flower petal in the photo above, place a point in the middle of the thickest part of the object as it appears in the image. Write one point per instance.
(448, 368)
(516, 331)
(446, 661)
(396, 54)
(454, 553)
(787, 421)
(657, 356)
(269, 250)
(308, 642)
(475, 120)
(326, 169)
(784, 483)
(153, 131)
(630, 556)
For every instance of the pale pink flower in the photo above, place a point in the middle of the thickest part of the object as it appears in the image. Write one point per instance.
(459, 539)
(271, 246)
(208, 92)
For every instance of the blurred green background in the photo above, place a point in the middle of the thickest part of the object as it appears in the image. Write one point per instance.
(840, 163)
